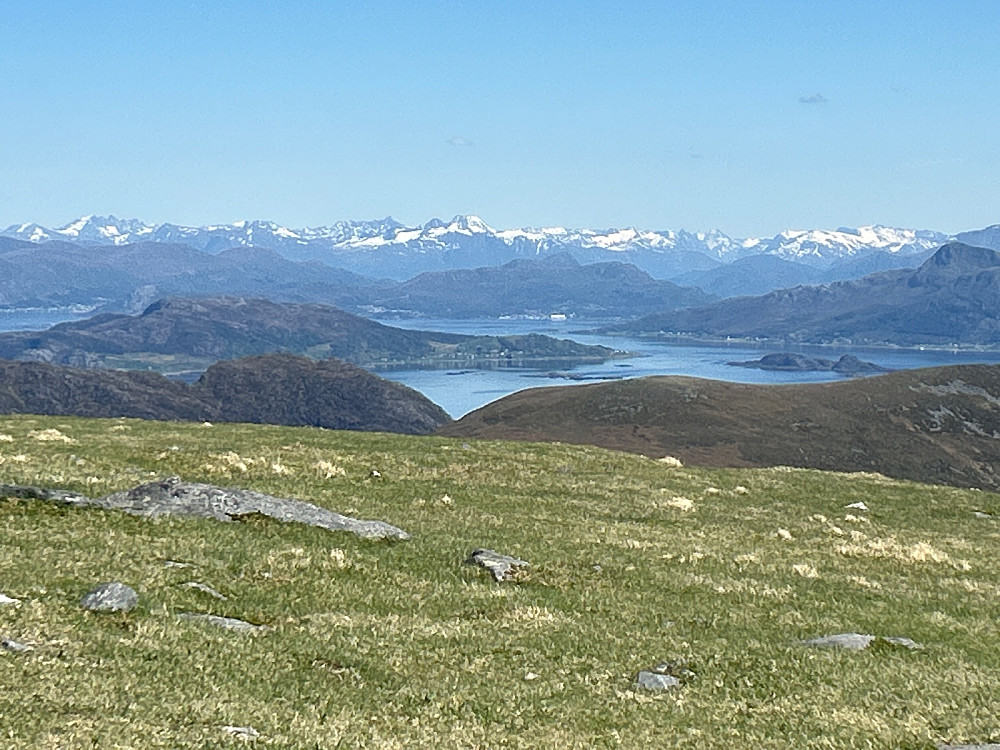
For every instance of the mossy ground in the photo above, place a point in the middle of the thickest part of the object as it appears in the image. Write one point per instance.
(401, 645)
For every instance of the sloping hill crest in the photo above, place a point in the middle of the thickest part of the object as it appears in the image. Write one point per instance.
(939, 425)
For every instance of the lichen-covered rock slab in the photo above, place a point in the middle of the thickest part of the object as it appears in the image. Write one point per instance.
(175, 497)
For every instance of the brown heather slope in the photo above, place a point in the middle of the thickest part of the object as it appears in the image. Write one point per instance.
(267, 389)
(939, 425)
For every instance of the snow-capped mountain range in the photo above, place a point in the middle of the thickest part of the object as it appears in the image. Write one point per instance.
(389, 248)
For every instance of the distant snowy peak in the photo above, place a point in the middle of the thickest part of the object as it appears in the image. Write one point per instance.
(814, 246)
(87, 229)
(819, 245)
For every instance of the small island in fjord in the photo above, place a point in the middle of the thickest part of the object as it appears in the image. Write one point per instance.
(848, 364)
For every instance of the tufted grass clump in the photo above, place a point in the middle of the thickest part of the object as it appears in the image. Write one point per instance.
(634, 563)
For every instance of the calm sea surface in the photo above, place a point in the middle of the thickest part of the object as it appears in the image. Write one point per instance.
(36, 320)
(461, 391)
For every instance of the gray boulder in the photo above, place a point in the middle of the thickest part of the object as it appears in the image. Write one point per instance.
(110, 597)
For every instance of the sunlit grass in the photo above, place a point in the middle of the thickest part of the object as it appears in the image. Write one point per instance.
(633, 562)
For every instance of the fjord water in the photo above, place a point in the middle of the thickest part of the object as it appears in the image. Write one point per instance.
(38, 319)
(461, 391)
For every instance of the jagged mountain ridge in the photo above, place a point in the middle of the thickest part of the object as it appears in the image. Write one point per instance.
(388, 248)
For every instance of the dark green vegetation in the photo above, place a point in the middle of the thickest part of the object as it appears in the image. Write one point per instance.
(401, 645)
(556, 284)
(270, 389)
(939, 424)
(952, 298)
(183, 335)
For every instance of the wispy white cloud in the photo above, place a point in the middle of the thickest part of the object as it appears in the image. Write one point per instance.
(460, 142)
(813, 99)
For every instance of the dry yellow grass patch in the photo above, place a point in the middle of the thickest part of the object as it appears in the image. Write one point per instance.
(890, 548)
(50, 435)
(805, 570)
(680, 503)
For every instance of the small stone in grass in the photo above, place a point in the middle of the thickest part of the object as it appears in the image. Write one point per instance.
(241, 731)
(205, 589)
(228, 623)
(501, 567)
(11, 645)
(110, 597)
(860, 505)
(859, 641)
(656, 681)
(4, 599)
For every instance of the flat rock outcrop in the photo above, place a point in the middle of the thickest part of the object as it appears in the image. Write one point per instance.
(176, 497)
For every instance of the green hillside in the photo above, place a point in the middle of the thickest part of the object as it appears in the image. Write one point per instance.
(634, 562)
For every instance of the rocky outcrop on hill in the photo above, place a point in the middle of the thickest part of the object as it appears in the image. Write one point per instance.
(938, 425)
(270, 389)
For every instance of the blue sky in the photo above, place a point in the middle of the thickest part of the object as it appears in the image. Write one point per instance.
(748, 117)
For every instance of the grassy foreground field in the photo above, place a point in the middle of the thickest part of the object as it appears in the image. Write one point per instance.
(382, 645)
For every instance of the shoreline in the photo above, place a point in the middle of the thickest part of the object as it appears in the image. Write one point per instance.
(784, 345)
